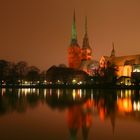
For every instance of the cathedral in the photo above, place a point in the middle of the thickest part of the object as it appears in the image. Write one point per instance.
(127, 66)
(80, 57)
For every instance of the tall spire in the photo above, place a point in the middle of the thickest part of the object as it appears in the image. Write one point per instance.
(74, 33)
(85, 39)
(86, 26)
(113, 50)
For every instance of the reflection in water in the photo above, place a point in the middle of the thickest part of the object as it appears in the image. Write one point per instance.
(80, 116)
(80, 105)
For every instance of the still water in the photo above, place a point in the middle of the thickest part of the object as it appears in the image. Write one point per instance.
(69, 114)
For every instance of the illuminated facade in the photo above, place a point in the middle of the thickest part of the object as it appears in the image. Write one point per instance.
(74, 50)
(80, 57)
(86, 51)
(125, 64)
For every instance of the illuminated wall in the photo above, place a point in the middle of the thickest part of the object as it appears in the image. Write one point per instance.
(74, 56)
(124, 71)
(127, 70)
(86, 54)
(136, 68)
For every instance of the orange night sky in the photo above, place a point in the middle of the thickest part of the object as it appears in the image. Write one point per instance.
(39, 31)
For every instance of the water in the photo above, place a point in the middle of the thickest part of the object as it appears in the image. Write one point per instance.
(69, 114)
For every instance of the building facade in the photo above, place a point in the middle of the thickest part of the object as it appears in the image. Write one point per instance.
(126, 65)
(74, 50)
(80, 57)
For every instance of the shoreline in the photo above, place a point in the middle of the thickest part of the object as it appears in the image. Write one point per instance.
(86, 86)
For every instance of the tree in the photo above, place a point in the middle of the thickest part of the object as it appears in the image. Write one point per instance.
(109, 73)
(12, 77)
(21, 69)
(33, 74)
(3, 70)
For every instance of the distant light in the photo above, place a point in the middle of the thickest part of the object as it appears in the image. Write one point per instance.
(79, 83)
(136, 70)
(74, 81)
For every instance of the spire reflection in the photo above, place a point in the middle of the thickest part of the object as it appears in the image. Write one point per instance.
(80, 105)
(80, 117)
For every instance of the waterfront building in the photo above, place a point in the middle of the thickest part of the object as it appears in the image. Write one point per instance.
(64, 75)
(126, 65)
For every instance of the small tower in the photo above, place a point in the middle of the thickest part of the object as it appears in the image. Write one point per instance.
(74, 50)
(113, 50)
(86, 49)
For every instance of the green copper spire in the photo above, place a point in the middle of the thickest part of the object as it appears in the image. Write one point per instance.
(74, 33)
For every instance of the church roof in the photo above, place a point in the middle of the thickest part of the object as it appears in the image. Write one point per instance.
(124, 60)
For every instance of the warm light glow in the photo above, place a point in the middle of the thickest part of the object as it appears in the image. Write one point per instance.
(127, 71)
(45, 93)
(74, 94)
(74, 56)
(124, 105)
(3, 91)
(136, 106)
(74, 81)
(80, 82)
(136, 70)
(102, 114)
(58, 93)
(127, 93)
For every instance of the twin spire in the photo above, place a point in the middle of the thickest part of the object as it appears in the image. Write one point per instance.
(74, 33)
(85, 39)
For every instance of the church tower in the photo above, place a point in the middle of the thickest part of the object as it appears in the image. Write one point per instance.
(86, 49)
(113, 50)
(74, 50)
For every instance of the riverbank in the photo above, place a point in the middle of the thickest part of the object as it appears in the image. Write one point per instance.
(75, 86)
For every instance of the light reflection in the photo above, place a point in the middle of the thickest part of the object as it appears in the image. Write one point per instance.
(124, 105)
(58, 93)
(91, 96)
(37, 91)
(80, 92)
(136, 106)
(50, 92)
(80, 117)
(19, 94)
(3, 91)
(121, 93)
(128, 93)
(45, 93)
(126, 101)
(26, 91)
(74, 94)
(84, 92)
(81, 106)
